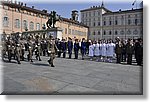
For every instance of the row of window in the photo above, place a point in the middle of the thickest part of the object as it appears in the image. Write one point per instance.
(18, 24)
(98, 13)
(109, 23)
(74, 32)
(89, 14)
(122, 32)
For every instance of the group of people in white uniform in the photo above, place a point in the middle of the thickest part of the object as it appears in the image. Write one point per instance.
(102, 51)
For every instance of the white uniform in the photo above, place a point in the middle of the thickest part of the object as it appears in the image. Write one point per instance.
(110, 49)
(104, 49)
(100, 49)
(91, 50)
(97, 49)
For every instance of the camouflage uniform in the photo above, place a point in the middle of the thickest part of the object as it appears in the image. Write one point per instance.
(22, 47)
(18, 52)
(37, 50)
(9, 49)
(3, 49)
(52, 48)
(30, 49)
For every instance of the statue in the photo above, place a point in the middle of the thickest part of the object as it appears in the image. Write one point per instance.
(53, 18)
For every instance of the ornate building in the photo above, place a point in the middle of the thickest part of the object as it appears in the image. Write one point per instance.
(105, 24)
(17, 17)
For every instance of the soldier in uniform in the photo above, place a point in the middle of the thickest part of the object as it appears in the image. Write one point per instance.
(22, 47)
(18, 51)
(9, 48)
(30, 48)
(4, 49)
(37, 48)
(52, 49)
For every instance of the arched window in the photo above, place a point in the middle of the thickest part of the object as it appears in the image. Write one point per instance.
(135, 32)
(5, 21)
(31, 25)
(25, 24)
(38, 26)
(17, 23)
(121, 32)
(129, 32)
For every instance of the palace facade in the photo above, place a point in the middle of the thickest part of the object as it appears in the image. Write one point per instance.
(106, 24)
(17, 17)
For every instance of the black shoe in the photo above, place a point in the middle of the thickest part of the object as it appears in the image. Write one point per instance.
(40, 60)
(19, 63)
(52, 65)
(49, 61)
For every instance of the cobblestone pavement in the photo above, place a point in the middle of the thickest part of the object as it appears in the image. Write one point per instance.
(70, 76)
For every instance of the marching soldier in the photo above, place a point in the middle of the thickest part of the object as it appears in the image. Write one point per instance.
(9, 48)
(52, 48)
(18, 51)
(4, 49)
(37, 48)
(30, 49)
(22, 47)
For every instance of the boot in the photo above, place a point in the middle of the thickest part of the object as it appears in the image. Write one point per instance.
(52, 65)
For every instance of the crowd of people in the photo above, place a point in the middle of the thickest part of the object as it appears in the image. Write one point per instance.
(103, 50)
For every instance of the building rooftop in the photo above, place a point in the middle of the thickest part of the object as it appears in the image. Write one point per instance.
(125, 11)
(20, 6)
(95, 8)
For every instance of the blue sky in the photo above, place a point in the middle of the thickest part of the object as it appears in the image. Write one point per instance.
(64, 8)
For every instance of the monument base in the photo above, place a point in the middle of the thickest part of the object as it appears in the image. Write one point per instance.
(55, 32)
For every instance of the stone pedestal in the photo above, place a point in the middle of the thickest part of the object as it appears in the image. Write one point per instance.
(55, 32)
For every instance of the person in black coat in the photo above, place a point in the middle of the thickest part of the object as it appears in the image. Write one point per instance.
(138, 48)
(76, 48)
(129, 51)
(123, 52)
(83, 48)
(64, 47)
(70, 46)
(58, 44)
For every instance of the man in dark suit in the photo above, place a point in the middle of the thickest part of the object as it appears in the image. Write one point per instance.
(83, 48)
(76, 48)
(64, 47)
(70, 46)
(138, 48)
